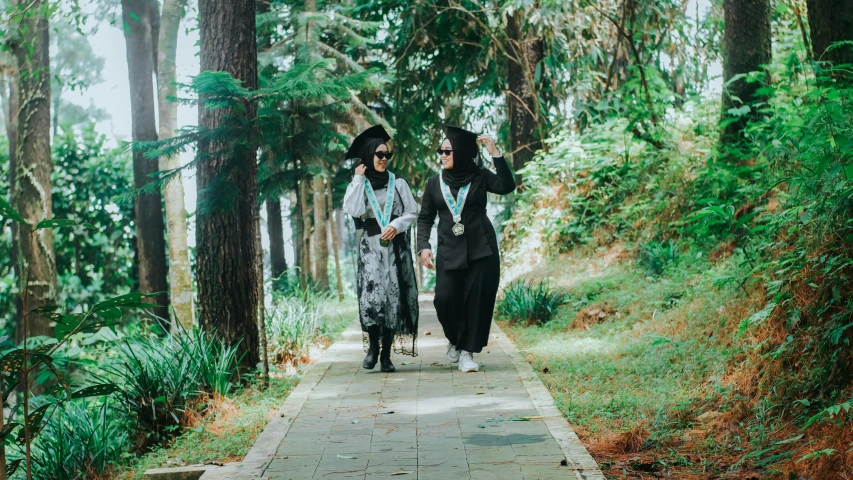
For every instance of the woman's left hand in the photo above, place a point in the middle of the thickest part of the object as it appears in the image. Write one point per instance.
(489, 144)
(389, 233)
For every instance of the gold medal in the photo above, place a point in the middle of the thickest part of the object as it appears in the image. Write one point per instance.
(458, 229)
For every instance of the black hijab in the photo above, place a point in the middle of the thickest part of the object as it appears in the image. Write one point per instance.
(467, 164)
(364, 147)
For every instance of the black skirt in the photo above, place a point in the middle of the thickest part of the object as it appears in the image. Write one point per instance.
(465, 299)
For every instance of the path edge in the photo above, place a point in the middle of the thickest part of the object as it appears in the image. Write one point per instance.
(578, 457)
(264, 448)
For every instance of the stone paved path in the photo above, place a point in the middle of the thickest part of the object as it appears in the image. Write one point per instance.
(426, 421)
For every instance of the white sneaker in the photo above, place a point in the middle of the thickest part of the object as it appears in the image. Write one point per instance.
(467, 363)
(452, 353)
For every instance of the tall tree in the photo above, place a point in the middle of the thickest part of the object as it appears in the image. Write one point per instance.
(228, 266)
(180, 276)
(32, 191)
(831, 21)
(275, 226)
(10, 99)
(141, 20)
(305, 251)
(526, 55)
(746, 47)
(275, 230)
(321, 240)
(333, 228)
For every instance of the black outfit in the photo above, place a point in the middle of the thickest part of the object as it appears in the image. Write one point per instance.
(467, 266)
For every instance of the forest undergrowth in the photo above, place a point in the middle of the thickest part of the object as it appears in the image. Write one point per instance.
(705, 323)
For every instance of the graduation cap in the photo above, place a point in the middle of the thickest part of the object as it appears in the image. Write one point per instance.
(464, 142)
(456, 134)
(373, 134)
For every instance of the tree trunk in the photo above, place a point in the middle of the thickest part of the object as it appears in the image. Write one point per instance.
(275, 229)
(10, 111)
(228, 271)
(334, 230)
(296, 224)
(180, 276)
(746, 47)
(32, 192)
(137, 16)
(305, 260)
(831, 21)
(10, 108)
(522, 99)
(321, 240)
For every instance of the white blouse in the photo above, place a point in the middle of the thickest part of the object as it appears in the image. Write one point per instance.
(355, 202)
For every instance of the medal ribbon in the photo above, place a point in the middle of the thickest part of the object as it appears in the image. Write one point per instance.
(383, 218)
(457, 205)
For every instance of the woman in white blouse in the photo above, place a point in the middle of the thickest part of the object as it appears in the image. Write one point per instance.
(384, 209)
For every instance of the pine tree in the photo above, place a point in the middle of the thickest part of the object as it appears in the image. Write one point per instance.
(308, 155)
(746, 48)
(831, 21)
(31, 195)
(180, 276)
(141, 20)
(228, 263)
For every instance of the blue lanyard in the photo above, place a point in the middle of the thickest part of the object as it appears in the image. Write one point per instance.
(383, 218)
(457, 205)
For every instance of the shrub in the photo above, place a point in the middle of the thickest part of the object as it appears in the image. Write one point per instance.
(524, 300)
(216, 362)
(79, 441)
(158, 380)
(293, 324)
(654, 257)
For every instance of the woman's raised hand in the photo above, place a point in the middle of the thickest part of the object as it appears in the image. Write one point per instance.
(487, 142)
(426, 259)
(359, 170)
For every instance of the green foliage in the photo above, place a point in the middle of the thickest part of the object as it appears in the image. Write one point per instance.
(215, 360)
(527, 301)
(80, 440)
(294, 323)
(158, 378)
(25, 361)
(87, 179)
(655, 257)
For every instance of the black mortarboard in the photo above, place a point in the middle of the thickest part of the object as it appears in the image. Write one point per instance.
(374, 134)
(459, 134)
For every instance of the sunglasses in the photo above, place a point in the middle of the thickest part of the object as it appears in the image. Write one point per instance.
(445, 152)
(384, 155)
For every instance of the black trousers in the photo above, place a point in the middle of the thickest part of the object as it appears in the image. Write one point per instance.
(465, 300)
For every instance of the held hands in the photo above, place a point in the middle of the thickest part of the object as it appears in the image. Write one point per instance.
(487, 142)
(426, 259)
(359, 170)
(389, 233)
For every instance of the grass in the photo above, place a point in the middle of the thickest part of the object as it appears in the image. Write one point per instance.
(224, 436)
(632, 361)
(234, 422)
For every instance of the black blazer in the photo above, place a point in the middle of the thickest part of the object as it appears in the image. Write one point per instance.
(479, 239)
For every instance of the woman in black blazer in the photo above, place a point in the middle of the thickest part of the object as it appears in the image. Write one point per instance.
(467, 261)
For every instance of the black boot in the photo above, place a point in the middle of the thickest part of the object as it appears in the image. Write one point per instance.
(372, 350)
(385, 358)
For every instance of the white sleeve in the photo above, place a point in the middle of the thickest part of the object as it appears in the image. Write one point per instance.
(354, 203)
(410, 207)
